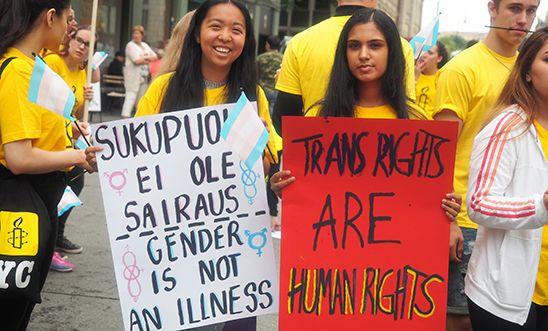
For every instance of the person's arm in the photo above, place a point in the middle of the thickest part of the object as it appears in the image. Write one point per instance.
(289, 101)
(286, 105)
(91, 157)
(451, 204)
(95, 75)
(23, 158)
(449, 115)
(280, 180)
(134, 55)
(454, 96)
(152, 56)
(88, 95)
(492, 165)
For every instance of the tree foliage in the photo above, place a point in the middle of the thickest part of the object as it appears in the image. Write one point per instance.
(453, 43)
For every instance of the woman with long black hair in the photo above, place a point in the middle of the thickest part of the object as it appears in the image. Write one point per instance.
(367, 81)
(216, 64)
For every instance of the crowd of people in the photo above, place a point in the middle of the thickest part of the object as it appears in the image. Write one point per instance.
(354, 64)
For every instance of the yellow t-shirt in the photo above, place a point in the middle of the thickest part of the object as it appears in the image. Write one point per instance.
(76, 79)
(469, 85)
(19, 118)
(384, 112)
(426, 91)
(387, 112)
(540, 297)
(151, 103)
(309, 57)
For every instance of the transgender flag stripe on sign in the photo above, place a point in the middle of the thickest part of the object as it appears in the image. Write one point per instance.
(48, 90)
(244, 131)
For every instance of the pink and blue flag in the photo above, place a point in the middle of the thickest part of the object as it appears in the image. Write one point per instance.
(68, 201)
(98, 58)
(49, 90)
(426, 38)
(244, 131)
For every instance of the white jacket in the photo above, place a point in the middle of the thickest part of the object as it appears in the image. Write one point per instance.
(132, 71)
(508, 177)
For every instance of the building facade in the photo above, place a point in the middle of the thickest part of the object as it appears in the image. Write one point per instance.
(281, 17)
(297, 15)
(116, 18)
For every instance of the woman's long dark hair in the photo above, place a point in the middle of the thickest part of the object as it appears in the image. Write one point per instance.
(343, 89)
(186, 88)
(19, 16)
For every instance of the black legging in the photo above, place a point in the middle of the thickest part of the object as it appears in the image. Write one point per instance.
(482, 320)
(77, 186)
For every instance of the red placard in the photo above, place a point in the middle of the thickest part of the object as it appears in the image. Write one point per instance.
(365, 242)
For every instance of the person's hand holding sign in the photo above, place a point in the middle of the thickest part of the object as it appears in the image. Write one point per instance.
(280, 180)
(452, 205)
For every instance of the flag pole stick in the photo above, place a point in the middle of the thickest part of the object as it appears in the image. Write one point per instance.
(90, 56)
(419, 55)
(272, 155)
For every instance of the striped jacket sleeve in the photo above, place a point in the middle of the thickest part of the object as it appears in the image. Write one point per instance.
(492, 165)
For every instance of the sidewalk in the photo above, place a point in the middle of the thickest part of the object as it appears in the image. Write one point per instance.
(87, 298)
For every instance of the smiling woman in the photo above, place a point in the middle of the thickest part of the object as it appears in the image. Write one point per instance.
(222, 38)
(216, 63)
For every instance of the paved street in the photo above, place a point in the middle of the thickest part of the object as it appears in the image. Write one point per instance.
(87, 298)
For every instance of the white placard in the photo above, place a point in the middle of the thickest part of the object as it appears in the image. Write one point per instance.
(188, 222)
(95, 103)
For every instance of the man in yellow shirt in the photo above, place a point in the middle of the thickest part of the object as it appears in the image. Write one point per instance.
(308, 59)
(468, 87)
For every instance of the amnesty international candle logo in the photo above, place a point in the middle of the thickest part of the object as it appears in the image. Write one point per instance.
(18, 233)
(17, 239)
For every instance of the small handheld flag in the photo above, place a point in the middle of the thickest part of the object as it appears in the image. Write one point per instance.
(68, 201)
(244, 131)
(98, 59)
(426, 38)
(48, 90)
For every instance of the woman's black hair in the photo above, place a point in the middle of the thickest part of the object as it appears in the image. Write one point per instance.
(343, 89)
(19, 16)
(442, 51)
(186, 87)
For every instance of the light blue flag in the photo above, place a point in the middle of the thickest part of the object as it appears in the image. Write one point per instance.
(245, 132)
(47, 89)
(426, 38)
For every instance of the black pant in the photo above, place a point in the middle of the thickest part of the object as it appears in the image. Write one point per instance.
(17, 314)
(243, 324)
(77, 186)
(482, 320)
